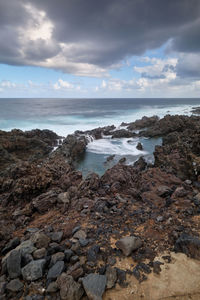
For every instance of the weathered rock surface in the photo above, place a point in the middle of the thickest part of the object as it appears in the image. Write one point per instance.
(190, 245)
(14, 263)
(56, 270)
(94, 286)
(74, 222)
(129, 244)
(69, 289)
(15, 285)
(34, 270)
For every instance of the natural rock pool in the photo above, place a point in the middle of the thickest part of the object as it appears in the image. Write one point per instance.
(97, 152)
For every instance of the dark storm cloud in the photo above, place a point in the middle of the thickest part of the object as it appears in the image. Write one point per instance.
(99, 32)
(119, 27)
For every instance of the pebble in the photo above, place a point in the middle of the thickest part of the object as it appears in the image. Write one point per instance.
(15, 285)
(56, 270)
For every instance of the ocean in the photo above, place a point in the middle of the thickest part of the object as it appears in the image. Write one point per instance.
(64, 116)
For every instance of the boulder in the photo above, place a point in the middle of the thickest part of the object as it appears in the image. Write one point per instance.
(45, 201)
(94, 286)
(14, 264)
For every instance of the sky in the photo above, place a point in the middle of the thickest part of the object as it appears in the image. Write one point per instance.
(107, 48)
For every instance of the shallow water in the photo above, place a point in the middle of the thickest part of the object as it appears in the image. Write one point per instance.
(98, 151)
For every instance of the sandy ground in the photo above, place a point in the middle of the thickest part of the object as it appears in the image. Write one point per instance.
(178, 280)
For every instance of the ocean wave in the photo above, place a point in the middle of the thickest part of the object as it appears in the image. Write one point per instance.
(114, 146)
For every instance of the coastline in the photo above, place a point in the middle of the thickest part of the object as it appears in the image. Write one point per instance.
(80, 223)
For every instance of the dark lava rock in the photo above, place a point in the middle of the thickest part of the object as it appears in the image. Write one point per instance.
(94, 286)
(122, 160)
(34, 270)
(14, 264)
(139, 146)
(190, 245)
(11, 245)
(75, 271)
(143, 267)
(2, 288)
(164, 191)
(68, 253)
(92, 253)
(156, 267)
(121, 277)
(45, 201)
(74, 259)
(57, 236)
(111, 275)
(83, 242)
(129, 244)
(15, 285)
(109, 158)
(140, 164)
(75, 229)
(52, 287)
(122, 133)
(56, 270)
(59, 256)
(69, 289)
(136, 273)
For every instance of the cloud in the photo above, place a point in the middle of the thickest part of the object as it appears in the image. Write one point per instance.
(188, 65)
(88, 38)
(157, 68)
(61, 84)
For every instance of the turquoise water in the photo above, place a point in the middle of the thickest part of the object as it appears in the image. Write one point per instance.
(95, 157)
(64, 116)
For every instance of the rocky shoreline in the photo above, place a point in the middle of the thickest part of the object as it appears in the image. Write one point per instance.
(66, 237)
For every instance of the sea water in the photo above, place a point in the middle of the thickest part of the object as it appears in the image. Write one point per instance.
(64, 116)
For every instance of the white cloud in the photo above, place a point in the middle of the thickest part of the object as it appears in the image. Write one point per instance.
(157, 67)
(61, 84)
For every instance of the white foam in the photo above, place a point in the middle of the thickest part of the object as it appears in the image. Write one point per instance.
(64, 125)
(115, 146)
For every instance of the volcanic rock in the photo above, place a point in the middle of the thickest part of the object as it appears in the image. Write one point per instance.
(14, 263)
(129, 244)
(56, 270)
(94, 286)
(190, 245)
(15, 285)
(69, 289)
(111, 275)
(34, 270)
